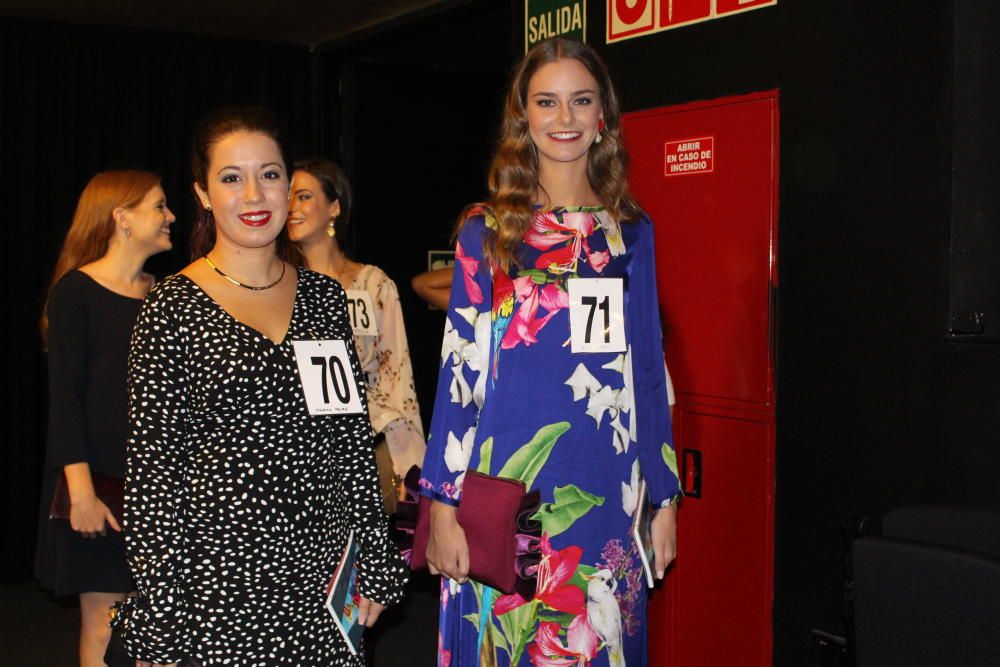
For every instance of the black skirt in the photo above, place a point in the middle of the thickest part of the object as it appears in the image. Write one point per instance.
(68, 563)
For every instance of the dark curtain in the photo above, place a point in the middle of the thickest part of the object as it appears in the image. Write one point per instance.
(75, 100)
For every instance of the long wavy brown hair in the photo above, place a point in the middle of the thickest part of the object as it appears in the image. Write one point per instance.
(513, 175)
(211, 129)
(93, 222)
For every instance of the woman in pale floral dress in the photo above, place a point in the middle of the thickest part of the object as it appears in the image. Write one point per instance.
(319, 212)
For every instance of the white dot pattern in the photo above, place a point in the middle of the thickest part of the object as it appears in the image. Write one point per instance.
(238, 501)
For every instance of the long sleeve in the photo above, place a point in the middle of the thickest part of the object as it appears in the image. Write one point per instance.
(67, 341)
(382, 574)
(392, 398)
(465, 361)
(155, 623)
(656, 452)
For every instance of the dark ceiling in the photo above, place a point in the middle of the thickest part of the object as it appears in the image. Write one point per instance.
(304, 22)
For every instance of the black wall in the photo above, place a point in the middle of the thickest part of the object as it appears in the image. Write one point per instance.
(77, 100)
(418, 108)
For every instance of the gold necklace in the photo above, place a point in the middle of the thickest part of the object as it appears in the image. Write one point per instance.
(238, 283)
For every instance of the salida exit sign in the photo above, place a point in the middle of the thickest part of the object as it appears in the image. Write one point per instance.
(554, 18)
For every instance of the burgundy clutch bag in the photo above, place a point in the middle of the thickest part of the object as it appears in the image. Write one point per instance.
(110, 490)
(493, 512)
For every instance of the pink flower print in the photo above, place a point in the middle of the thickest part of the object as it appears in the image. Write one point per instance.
(469, 267)
(553, 589)
(547, 232)
(525, 325)
(548, 651)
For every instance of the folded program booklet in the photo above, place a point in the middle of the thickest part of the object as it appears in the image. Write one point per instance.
(342, 596)
(642, 521)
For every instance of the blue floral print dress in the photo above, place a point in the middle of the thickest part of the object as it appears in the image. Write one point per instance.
(514, 400)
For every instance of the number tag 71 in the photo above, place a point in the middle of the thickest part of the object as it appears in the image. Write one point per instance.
(596, 315)
(327, 381)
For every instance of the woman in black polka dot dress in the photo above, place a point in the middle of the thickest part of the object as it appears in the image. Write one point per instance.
(239, 499)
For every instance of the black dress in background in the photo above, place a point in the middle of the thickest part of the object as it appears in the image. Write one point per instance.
(89, 332)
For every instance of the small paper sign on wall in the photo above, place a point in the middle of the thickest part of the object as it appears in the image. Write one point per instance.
(554, 18)
(689, 156)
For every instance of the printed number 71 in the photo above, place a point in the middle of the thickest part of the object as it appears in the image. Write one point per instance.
(605, 306)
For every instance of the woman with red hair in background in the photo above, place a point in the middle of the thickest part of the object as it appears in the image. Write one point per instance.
(96, 291)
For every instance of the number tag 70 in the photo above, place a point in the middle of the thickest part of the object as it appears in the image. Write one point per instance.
(325, 374)
(596, 315)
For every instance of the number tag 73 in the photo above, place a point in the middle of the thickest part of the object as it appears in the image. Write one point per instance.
(362, 313)
(325, 374)
(596, 315)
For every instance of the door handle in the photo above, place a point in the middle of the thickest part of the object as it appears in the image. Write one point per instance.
(691, 473)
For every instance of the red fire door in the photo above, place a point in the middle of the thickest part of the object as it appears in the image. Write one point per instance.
(707, 175)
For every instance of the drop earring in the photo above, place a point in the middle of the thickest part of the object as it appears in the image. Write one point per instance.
(600, 128)
(127, 232)
(331, 229)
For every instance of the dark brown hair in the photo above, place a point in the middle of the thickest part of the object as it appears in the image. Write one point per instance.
(211, 130)
(94, 224)
(335, 186)
(513, 173)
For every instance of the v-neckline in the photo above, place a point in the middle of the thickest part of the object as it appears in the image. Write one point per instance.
(258, 333)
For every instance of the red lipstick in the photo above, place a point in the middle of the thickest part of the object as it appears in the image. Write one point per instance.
(255, 218)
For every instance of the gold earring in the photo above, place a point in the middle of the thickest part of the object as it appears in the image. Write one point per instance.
(331, 230)
(208, 207)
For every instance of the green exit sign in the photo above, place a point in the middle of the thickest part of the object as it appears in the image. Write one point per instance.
(554, 18)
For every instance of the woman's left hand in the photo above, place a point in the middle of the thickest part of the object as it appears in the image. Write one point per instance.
(664, 533)
(368, 612)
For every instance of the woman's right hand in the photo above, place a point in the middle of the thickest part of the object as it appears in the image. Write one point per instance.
(88, 515)
(447, 550)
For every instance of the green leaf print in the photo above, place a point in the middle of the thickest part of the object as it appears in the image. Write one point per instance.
(527, 461)
(537, 276)
(577, 578)
(670, 458)
(485, 454)
(474, 619)
(570, 504)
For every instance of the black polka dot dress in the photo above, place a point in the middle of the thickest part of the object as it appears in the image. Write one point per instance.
(238, 501)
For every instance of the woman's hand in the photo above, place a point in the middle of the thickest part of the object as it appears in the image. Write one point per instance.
(368, 612)
(447, 550)
(664, 533)
(88, 515)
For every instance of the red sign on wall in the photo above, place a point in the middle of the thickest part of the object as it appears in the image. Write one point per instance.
(689, 156)
(634, 18)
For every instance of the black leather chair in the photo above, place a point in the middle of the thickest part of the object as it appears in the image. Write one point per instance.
(927, 591)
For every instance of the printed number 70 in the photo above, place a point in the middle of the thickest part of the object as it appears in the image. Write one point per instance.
(605, 305)
(337, 374)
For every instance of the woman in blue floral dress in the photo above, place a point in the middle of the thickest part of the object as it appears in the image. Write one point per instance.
(552, 373)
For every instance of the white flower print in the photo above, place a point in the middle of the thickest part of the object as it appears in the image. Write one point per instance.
(602, 399)
(630, 491)
(457, 452)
